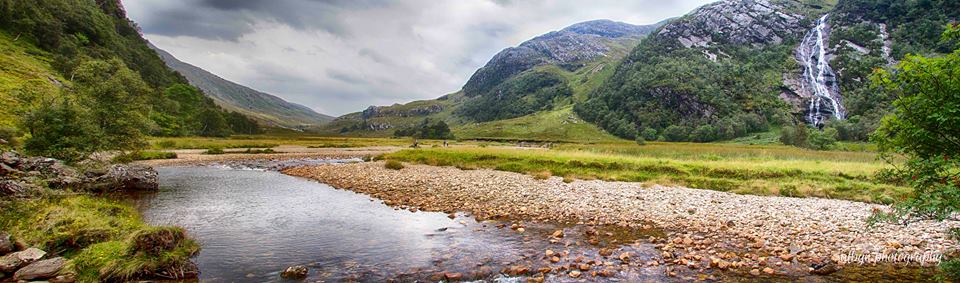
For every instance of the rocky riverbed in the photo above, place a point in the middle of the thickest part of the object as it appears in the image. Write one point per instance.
(705, 230)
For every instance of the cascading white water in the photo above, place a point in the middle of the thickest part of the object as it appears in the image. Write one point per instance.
(819, 79)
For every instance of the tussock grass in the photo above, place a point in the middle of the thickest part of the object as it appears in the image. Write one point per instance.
(393, 165)
(104, 239)
(758, 170)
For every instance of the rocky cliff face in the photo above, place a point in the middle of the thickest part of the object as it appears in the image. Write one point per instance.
(576, 43)
(747, 22)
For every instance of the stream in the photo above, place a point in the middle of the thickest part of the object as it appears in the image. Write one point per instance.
(253, 223)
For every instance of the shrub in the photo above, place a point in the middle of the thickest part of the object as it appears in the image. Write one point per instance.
(649, 134)
(823, 140)
(640, 140)
(542, 175)
(214, 150)
(393, 165)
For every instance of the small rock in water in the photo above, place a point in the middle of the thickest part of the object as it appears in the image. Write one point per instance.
(453, 276)
(295, 272)
(575, 274)
(558, 234)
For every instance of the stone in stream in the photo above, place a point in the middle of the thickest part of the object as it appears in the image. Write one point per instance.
(295, 272)
(43, 269)
(14, 261)
(126, 177)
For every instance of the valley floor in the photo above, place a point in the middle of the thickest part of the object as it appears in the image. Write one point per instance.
(707, 229)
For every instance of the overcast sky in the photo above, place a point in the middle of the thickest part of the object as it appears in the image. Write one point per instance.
(340, 56)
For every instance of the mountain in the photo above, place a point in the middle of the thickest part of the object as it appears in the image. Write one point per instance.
(266, 108)
(736, 67)
(50, 43)
(548, 73)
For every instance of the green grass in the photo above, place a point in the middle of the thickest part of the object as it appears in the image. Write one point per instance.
(560, 125)
(26, 78)
(93, 232)
(758, 170)
(144, 155)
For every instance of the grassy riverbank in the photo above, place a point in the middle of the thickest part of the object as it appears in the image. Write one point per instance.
(104, 239)
(757, 170)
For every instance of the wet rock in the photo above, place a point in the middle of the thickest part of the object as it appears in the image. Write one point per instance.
(6, 244)
(14, 261)
(825, 268)
(558, 234)
(295, 272)
(584, 267)
(43, 269)
(574, 274)
(453, 276)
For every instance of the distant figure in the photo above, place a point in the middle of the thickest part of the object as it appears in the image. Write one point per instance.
(445, 143)
(415, 144)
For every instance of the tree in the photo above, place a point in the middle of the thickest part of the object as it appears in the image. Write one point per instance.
(795, 136)
(649, 134)
(676, 133)
(924, 127)
(823, 140)
(115, 97)
(61, 130)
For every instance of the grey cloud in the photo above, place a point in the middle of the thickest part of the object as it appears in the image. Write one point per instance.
(340, 56)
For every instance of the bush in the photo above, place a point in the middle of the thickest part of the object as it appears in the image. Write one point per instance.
(649, 134)
(823, 140)
(640, 140)
(676, 133)
(214, 150)
(542, 175)
(393, 165)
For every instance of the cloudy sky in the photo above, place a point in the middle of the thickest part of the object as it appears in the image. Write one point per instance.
(340, 56)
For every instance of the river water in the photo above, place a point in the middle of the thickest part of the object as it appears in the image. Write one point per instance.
(252, 224)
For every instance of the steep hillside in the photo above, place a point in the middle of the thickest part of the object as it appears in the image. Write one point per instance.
(266, 108)
(739, 66)
(75, 36)
(542, 75)
(26, 78)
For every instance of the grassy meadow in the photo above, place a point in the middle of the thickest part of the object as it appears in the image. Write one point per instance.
(743, 169)
(754, 166)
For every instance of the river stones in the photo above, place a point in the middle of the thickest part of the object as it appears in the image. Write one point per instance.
(295, 272)
(43, 269)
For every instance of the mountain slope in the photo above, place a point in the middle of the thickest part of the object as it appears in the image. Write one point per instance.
(541, 76)
(740, 66)
(266, 108)
(68, 35)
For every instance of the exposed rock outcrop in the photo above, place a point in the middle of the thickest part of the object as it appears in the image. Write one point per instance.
(20, 176)
(741, 22)
(576, 43)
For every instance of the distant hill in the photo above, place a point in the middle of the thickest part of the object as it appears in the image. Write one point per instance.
(266, 108)
(541, 77)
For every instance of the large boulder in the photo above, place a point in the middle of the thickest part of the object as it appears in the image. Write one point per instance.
(6, 244)
(126, 177)
(43, 269)
(14, 261)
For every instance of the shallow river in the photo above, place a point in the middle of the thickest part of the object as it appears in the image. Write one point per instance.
(254, 223)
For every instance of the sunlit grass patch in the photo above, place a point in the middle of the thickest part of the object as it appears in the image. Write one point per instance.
(757, 170)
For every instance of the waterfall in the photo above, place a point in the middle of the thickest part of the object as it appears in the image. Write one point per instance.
(819, 80)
